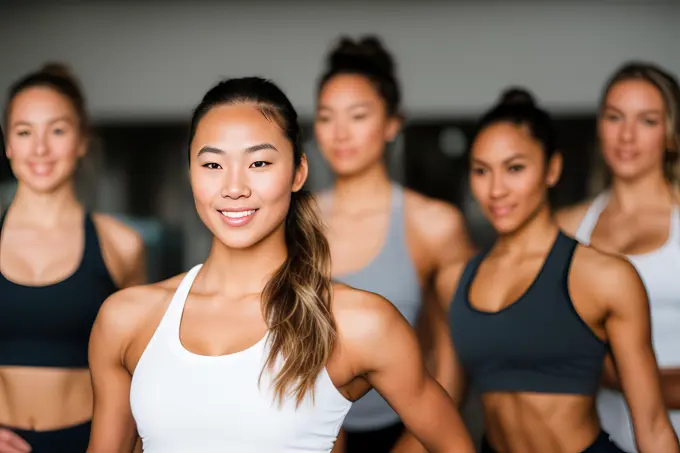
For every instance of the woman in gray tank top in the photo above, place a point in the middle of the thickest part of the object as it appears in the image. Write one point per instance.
(384, 239)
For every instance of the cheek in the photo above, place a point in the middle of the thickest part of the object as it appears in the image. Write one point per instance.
(371, 135)
(529, 186)
(653, 142)
(203, 187)
(323, 133)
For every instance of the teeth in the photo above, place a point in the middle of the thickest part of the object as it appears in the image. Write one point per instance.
(237, 215)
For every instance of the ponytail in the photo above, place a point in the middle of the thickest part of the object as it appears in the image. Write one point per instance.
(297, 303)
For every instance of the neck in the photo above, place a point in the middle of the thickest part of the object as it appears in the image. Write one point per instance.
(236, 272)
(362, 190)
(532, 236)
(46, 209)
(630, 195)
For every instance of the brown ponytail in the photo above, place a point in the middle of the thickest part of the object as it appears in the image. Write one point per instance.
(297, 302)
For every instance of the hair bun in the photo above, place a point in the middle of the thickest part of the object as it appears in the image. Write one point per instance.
(58, 70)
(517, 96)
(367, 53)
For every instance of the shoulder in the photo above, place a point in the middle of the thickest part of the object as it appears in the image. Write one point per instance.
(125, 311)
(569, 218)
(435, 221)
(121, 239)
(362, 316)
(609, 278)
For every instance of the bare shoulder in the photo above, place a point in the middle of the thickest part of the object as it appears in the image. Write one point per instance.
(609, 277)
(435, 220)
(122, 313)
(119, 241)
(361, 316)
(570, 217)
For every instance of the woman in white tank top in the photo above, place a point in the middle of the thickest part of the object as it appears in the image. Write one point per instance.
(638, 216)
(254, 351)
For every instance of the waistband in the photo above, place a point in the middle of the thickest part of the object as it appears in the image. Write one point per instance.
(602, 444)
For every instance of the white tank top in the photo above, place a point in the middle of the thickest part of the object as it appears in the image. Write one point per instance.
(185, 402)
(659, 270)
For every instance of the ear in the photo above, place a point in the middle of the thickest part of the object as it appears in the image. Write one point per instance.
(83, 146)
(554, 170)
(392, 128)
(301, 173)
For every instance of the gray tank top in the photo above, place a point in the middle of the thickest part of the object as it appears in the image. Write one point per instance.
(392, 275)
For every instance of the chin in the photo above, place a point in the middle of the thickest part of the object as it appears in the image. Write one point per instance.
(505, 226)
(347, 168)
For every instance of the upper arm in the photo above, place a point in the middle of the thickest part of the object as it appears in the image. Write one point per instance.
(123, 250)
(387, 352)
(570, 218)
(113, 427)
(629, 333)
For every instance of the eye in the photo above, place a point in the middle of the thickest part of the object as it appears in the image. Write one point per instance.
(611, 117)
(259, 164)
(322, 119)
(478, 171)
(24, 133)
(59, 131)
(516, 168)
(211, 165)
(359, 116)
(650, 122)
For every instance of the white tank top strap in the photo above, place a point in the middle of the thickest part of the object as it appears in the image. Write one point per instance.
(674, 236)
(587, 225)
(173, 315)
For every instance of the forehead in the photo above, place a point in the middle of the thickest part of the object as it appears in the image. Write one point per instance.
(635, 94)
(346, 90)
(39, 103)
(501, 141)
(238, 127)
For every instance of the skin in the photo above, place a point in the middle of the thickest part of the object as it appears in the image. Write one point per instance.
(510, 178)
(353, 127)
(223, 316)
(41, 244)
(634, 136)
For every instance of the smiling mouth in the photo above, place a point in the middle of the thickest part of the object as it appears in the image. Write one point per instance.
(237, 214)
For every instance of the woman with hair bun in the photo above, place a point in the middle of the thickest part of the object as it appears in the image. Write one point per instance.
(58, 263)
(637, 216)
(384, 238)
(533, 316)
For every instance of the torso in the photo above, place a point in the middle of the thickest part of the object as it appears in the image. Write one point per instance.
(192, 364)
(532, 343)
(52, 284)
(380, 251)
(650, 240)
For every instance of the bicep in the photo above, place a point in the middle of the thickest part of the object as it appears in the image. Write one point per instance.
(399, 375)
(629, 333)
(113, 428)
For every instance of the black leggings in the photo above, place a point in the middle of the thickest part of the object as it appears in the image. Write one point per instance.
(601, 445)
(72, 439)
(378, 441)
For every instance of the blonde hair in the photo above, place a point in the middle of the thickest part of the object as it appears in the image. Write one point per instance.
(668, 87)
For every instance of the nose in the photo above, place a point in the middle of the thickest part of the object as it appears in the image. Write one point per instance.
(498, 187)
(340, 130)
(41, 146)
(627, 131)
(235, 184)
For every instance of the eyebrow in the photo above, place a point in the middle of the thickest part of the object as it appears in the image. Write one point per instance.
(351, 106)
(55, 120)
(250, 149)
(653, 111)
(505, 161)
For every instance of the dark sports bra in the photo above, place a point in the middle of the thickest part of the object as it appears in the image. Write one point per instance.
(537, 344)
(49, 326)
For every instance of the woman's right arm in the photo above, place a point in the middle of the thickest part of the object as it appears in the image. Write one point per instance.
(113, 427)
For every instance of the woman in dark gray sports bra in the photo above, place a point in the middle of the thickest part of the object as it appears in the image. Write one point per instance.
(533, 316)
(383, 238)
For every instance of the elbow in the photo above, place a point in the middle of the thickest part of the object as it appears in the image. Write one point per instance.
(658, 437)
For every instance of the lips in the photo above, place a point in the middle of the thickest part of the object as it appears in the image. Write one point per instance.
(237, 217)
(500, 211)
(41, 169)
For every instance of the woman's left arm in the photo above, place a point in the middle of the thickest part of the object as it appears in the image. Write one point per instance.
(387, 352)
(628, 330)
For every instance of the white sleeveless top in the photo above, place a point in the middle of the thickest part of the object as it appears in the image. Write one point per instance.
(659, 270)
(185, 402)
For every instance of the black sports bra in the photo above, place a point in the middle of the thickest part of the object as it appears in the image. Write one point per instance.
(49, 326)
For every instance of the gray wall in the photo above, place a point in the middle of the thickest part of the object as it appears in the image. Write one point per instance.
(155, 59)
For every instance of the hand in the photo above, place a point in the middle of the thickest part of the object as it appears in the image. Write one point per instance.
(12, 443)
